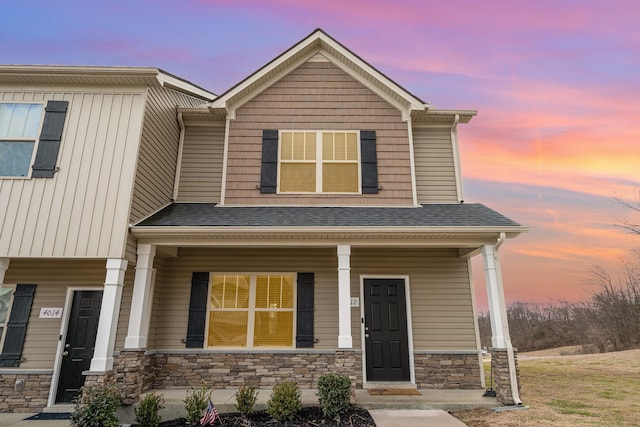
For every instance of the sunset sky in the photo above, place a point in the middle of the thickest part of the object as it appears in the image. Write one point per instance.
(556, 84)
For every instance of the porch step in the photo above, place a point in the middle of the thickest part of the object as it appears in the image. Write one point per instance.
(389, 384)
(224, 401)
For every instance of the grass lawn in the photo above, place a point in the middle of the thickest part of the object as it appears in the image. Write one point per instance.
(584, 390)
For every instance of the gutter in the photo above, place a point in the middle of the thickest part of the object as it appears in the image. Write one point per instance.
(456, 158)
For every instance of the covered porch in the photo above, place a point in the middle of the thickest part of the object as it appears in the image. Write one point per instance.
(344, 247)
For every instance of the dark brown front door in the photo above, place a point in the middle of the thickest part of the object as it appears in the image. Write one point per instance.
(386, 339)
(79, 345)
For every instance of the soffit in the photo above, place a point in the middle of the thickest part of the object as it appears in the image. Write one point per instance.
(98, 76)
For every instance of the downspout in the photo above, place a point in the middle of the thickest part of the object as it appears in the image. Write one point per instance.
(176, 181)
(511, 358)
(456, 158)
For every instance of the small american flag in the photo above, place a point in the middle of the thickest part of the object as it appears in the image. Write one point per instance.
(210, 416)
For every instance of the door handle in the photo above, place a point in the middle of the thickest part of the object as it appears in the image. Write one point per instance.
(366, 335)
(65, 353)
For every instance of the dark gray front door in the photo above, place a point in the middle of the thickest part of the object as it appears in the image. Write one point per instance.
(79, 345)
(386, 339)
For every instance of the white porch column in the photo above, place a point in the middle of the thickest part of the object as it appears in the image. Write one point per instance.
(142, 298)
(107, 325)
(344, 297)
(4, 266)
(495, 295)
(500, 338)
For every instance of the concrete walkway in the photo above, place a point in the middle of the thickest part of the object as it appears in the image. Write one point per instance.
(427, 409)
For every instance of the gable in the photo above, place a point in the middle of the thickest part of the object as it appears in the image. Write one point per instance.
(317, 96)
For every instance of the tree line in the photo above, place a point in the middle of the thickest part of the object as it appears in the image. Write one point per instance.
(608, 321)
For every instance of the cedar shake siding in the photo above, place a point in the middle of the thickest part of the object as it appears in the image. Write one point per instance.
(318, 96)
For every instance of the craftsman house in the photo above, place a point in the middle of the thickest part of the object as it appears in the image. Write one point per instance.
(308, 220)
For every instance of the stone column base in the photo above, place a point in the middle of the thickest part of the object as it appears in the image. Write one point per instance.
(501, 378)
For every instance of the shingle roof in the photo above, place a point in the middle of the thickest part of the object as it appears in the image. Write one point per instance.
(431, 215)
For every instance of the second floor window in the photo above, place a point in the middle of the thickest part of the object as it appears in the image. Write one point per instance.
(319, 162)
(19, 126)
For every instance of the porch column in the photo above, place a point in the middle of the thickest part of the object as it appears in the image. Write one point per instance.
(344, 297)
(107, 325)
(507, 385)
(142, 298)
(4, 266)
(495, 296)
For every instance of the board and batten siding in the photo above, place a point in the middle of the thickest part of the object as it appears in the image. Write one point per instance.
(172, 293)
(441, 304)
(52, 279)
(158, 154)
(318, 96)
(201, 167)
(83, 211)
(434, 163)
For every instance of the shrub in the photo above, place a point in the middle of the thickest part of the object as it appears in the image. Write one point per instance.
(245, 399)
(147, 410)
(334, 392)
(97, 406)
(284, 403)
(196, 403)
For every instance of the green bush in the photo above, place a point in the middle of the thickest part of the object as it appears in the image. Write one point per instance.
(97, 406)
(245, 399)
(334, 392)
(147, 410)
(284, 403)
(196, 403)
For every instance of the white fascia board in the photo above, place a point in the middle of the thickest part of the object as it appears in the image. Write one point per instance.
(143, 231)
(415, 103)
(172, 82)
(313, 44)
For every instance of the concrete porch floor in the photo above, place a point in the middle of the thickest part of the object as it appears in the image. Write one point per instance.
(224, 401)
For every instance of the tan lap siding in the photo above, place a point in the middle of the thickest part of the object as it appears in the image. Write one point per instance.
(318, 96)
(201, 168)
(435, 171)
(155, 175)
(173, 293)
(441, 304)
(53, 278)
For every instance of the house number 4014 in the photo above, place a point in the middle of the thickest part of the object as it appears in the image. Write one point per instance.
(50, 313)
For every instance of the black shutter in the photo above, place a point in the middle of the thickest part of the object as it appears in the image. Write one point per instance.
(197, 310)
(269, 172)
(49, 145)
(369, 162)
(17, 326)
(304, 318)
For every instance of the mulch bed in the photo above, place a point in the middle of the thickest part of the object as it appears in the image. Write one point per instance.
(307, 417)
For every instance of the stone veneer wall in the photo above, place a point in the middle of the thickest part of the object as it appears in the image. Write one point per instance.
(447, 370)
(33, 396)
(501, 378)
(259, 369)
(134, 373)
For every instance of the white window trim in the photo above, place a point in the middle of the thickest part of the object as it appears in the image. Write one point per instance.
(36, 139)
(9, 309)
(319, 161)
(252, 310)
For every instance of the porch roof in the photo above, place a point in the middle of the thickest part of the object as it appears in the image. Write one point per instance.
(472, 215)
